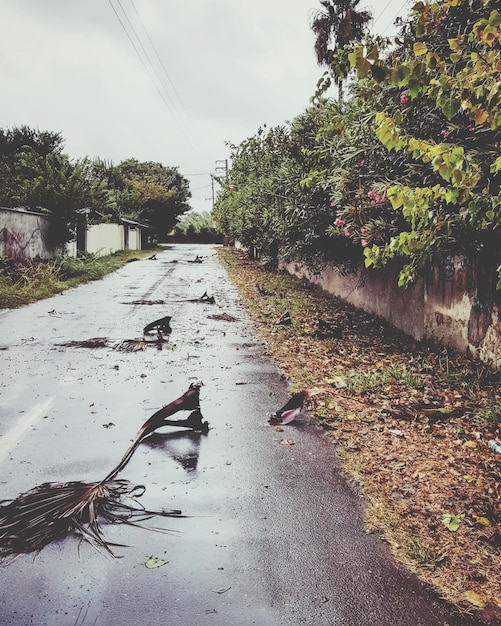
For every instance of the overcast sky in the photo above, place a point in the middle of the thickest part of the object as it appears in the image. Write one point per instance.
(169, 81)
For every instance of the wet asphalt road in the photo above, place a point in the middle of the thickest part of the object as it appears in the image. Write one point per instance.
(274, 534)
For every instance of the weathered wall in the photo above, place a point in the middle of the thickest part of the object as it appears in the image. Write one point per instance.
(463, 308)
(456, 304)
(25, 235)
(372, 291)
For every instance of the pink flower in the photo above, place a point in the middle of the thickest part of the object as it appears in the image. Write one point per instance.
(339, 222)
(364, 243)
(404, 99)
(471, 128)
(364, 231)
(333, 203)
(346, 233)
(445, 133)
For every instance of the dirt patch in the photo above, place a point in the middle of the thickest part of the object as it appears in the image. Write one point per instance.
(411, 421)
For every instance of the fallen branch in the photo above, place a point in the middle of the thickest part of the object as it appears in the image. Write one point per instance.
(52, 510)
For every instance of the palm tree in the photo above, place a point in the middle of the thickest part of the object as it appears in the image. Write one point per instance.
(337, 25)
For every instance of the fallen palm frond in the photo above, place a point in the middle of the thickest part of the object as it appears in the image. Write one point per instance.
(93, 342)
(52, 510)
(161, 325)
(146, 302)
(130, 345)
(189, 401)
(203, 298)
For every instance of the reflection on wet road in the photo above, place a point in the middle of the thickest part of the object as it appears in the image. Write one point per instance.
(273, 534)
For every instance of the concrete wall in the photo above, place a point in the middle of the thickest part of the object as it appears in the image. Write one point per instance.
(25, 235)
(134, 238)
(103, 239)
(372, 291)
(463, 308)
(456, 304)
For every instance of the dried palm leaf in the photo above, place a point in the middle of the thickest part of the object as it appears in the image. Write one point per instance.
(94, 342)
(203, 298)
(130, 345)
(145, 302)
(52, 510)
(189, 401)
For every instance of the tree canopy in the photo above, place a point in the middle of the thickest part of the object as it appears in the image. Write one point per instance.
(336, 26)
(35, 173)
(406, 168)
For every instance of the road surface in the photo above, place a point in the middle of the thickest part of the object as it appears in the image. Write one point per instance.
(274, 533)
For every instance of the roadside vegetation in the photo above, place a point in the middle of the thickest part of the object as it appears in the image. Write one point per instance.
(404, 168)
(411, 422)
(24, 282)
(197, 227)
(36, 174)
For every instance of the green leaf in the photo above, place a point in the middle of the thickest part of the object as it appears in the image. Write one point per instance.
(152, 562)
(474, 598)
(450, 107)
(496, 166)
(420, 48)
(451, 522)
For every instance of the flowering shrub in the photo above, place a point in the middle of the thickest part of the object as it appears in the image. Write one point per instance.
(449, 196)
(408, 167)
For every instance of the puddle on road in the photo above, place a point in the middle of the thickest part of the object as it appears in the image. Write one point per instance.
(183, 447)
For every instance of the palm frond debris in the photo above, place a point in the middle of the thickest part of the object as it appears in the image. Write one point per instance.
(93, 342)
(162, 325)
(145, 302)
(52, 510)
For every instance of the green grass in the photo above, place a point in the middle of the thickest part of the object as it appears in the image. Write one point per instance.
(28, 281)
(369, 381)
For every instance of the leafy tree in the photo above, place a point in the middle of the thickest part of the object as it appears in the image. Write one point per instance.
(199, 227)
(14, 141)
(162, 192)
(336, 25)
(408, 168)
(263, 202)
(37, 174)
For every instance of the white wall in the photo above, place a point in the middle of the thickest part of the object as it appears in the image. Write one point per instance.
(103, 239)
(134, 238)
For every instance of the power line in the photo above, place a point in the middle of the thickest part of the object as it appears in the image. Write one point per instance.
(162, 65)
(382, 12)
(392, 21)
(143, 49)
(150, 68)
